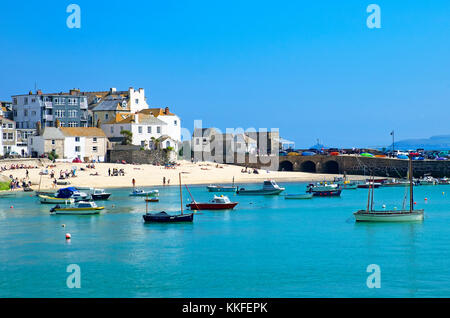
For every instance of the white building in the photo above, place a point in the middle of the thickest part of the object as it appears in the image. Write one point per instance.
(87, 143)
(173, 129)
(146, 130)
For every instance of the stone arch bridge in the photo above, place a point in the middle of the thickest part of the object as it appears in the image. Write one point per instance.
(357, 165)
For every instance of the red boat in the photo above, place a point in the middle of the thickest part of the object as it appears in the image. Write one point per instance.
(218, 203)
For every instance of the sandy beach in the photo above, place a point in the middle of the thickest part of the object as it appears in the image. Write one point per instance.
(149, 175)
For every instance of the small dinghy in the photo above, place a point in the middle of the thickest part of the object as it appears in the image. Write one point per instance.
(80, 208)
(299, 196)
(152, 200)
(143, 193)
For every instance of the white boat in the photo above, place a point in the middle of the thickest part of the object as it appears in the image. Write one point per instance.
(322, 186)
(428, 180)
(80, 208)
(71, 192)
(45, 199)
(270, 187)
(143, 193)
(403, 215)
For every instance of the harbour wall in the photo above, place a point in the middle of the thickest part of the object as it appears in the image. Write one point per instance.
(357, 165)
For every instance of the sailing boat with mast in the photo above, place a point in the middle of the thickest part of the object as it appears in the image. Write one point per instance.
(163, 217)
(371, 215)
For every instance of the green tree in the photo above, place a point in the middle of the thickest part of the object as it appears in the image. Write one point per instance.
(127, 137)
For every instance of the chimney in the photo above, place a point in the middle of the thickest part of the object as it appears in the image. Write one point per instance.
(112, 90)
(57, 123)
(30, 93)
(166, 111)
(39, 92)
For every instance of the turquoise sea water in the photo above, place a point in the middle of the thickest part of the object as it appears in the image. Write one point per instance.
(266, 247)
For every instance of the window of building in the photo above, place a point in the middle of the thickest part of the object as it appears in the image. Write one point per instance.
(10, 126)
(140, 129)
(197, 141)
(15, 101)
(112, 129)
(53, 141)
(10, 136)
(77, 139)
(158, 129)
(175, 122)
(25, 112)
(33, 100)
(106, 116)
(137, 101)
(121, 128)
(149, 129)
(33, 113)
(77, 148)
(94, 149)
(94, 139)
(25, 100)
(5, 136)
(142, 143)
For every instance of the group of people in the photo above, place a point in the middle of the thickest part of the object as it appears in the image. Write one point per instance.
(17, 166)
(164, 181)
(16, 184)
(246, 170)
(116, 172)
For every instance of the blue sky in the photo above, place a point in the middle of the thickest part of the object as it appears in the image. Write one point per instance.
(310, 68)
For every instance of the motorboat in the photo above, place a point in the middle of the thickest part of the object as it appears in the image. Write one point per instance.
(428, 180)
(71, 192)
(322, 186)
(142, 193)
(270, 187)
(80, 208)
(217, 203)
(45, 199)
(100, 194)
(368, 185)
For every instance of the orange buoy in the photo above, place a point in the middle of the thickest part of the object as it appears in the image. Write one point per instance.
(415, 202)
(68, 236)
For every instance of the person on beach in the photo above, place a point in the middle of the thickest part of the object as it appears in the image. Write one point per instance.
(168, 181)
(164, 180)
(133, 182)
(54, 183)
(109, 172)
(26, 173)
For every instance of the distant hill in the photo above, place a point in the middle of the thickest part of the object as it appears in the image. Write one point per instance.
(433, 143)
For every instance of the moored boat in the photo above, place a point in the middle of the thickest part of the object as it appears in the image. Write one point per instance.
(143, 193)
(368, 185)
(100, 194)
(45, 199)
(403, 215)
(163, 217)
(218, 188)
(80, 208)
(270, 187)
(217, 203)
(299, 196)
(152, 200)
(71, 192)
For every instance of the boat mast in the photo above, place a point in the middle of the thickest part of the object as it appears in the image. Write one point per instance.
(373, 190)
(368, 199)
(181, 195)
(411, 195)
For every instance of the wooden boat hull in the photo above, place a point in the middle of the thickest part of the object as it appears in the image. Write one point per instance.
(260, 192)
(100, 197)
(221, 189)
(211, 206)
(298, 196)
(156, 218)
(389, 216)
(332, 193)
